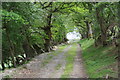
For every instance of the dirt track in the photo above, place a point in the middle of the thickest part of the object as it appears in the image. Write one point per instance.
(53, 69)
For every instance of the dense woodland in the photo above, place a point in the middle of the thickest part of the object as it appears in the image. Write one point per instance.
(32, 28)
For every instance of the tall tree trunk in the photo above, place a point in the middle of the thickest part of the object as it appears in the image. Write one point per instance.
(48, 32)
(48, 39)
(102, 26)
(87, 25)
(89, 29)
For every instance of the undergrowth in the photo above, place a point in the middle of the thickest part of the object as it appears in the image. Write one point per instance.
(99, 61)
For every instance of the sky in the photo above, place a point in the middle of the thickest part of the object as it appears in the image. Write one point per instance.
(73, 35)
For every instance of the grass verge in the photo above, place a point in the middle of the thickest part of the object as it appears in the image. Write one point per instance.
(99, 61)
(69, 61)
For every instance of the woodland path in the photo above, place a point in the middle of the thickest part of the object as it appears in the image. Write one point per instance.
(36, 68)
(78, 69)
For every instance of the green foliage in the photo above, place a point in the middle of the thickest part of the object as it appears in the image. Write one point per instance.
(8, 16)
(30, 28)
(12, 22)
(98, 61)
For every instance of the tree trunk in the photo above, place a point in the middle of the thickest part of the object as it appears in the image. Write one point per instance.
(89, 29)
(102, 27)
(48, 39)
(103, 37)
(87, 25)
(48, 32)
